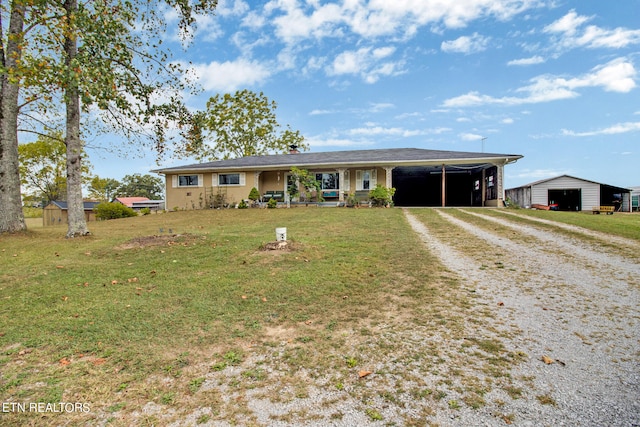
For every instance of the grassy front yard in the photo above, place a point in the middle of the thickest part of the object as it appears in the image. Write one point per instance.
(150, 309)
(104, 319)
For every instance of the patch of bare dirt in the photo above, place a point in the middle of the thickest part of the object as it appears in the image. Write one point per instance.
(158, 240)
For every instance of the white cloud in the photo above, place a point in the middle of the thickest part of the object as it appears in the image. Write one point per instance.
(507, 121)
(466, 44)
(318, 112)
(572, 35)
(319, 141)
(296, 20)
(527, 61)
(612, 130)
(364, 62)
(470, 137)
(231, 8)
(373, 130)
(379, 130)
(615, 76)
(568, 24)
(376, 107)
(229, 76)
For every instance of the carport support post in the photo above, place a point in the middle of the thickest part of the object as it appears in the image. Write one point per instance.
(484, 186)
(444, 172)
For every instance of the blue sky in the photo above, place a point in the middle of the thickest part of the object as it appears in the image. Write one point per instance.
(556, 81)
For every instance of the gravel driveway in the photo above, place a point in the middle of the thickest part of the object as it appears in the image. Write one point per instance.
(575, 303)
(564, 308)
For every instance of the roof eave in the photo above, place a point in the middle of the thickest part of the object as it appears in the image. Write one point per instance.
(504, 159)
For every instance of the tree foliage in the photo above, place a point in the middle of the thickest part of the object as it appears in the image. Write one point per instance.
(302, 178)
(104, 56)
(137, 185)
(240, 125)
(43, 168)
(103, 189)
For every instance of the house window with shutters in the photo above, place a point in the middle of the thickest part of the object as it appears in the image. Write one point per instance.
(229, 179)
(365, 179)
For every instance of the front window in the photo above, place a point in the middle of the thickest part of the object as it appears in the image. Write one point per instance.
(229, 179)
(188, 180)
(366, 180)
(329, 181)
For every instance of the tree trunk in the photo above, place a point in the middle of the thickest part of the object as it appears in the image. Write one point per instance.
(11, 216)
(77, 222)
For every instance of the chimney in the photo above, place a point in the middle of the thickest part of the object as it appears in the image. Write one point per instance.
(293, 149)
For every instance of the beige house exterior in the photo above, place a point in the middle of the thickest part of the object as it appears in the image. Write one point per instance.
(421, 177)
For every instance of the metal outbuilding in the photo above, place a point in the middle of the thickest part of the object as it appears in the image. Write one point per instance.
(569, 193)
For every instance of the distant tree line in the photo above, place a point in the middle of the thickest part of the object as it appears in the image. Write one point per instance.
(43, 176)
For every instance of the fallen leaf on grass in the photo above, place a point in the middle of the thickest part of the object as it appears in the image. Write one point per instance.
(362, 374)
(132, 280)
(547, 360)
(64, 361)
(59, 266)
(64, 298)
(99, 361)
(243, 297)
(114, 282)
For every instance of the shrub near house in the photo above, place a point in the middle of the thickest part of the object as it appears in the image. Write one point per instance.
(113, 211)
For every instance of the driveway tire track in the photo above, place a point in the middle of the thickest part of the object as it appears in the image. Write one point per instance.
(583, 319)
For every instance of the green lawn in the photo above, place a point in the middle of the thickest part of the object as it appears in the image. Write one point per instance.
(619, 224)
(89, 319)
(145, 309)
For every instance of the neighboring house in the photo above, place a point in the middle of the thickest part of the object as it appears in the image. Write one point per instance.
(56, 213)
(421, 177)
(570, 194)
(137, 203)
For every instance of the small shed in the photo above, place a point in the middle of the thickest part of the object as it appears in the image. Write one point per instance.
(55, 213)
(569, 193)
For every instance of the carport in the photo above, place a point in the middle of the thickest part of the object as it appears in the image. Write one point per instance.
(448, 185)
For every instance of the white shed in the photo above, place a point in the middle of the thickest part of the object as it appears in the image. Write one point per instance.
(569, 193)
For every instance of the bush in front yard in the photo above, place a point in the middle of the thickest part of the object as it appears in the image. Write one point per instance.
(382, 196)
(113, 211)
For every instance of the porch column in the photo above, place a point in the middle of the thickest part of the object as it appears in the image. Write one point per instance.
(500, 185)
(340, 184)
(444, 186)
(388, 170)
(256, 180)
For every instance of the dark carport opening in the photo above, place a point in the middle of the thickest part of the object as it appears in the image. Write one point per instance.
(567, 199)
(422, 186)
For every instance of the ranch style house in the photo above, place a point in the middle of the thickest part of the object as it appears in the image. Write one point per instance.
(421, 177)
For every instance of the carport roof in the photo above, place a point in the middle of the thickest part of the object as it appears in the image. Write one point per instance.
(378, 157)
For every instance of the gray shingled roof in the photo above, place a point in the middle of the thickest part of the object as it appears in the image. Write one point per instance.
(391, 156)
(63, 205)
